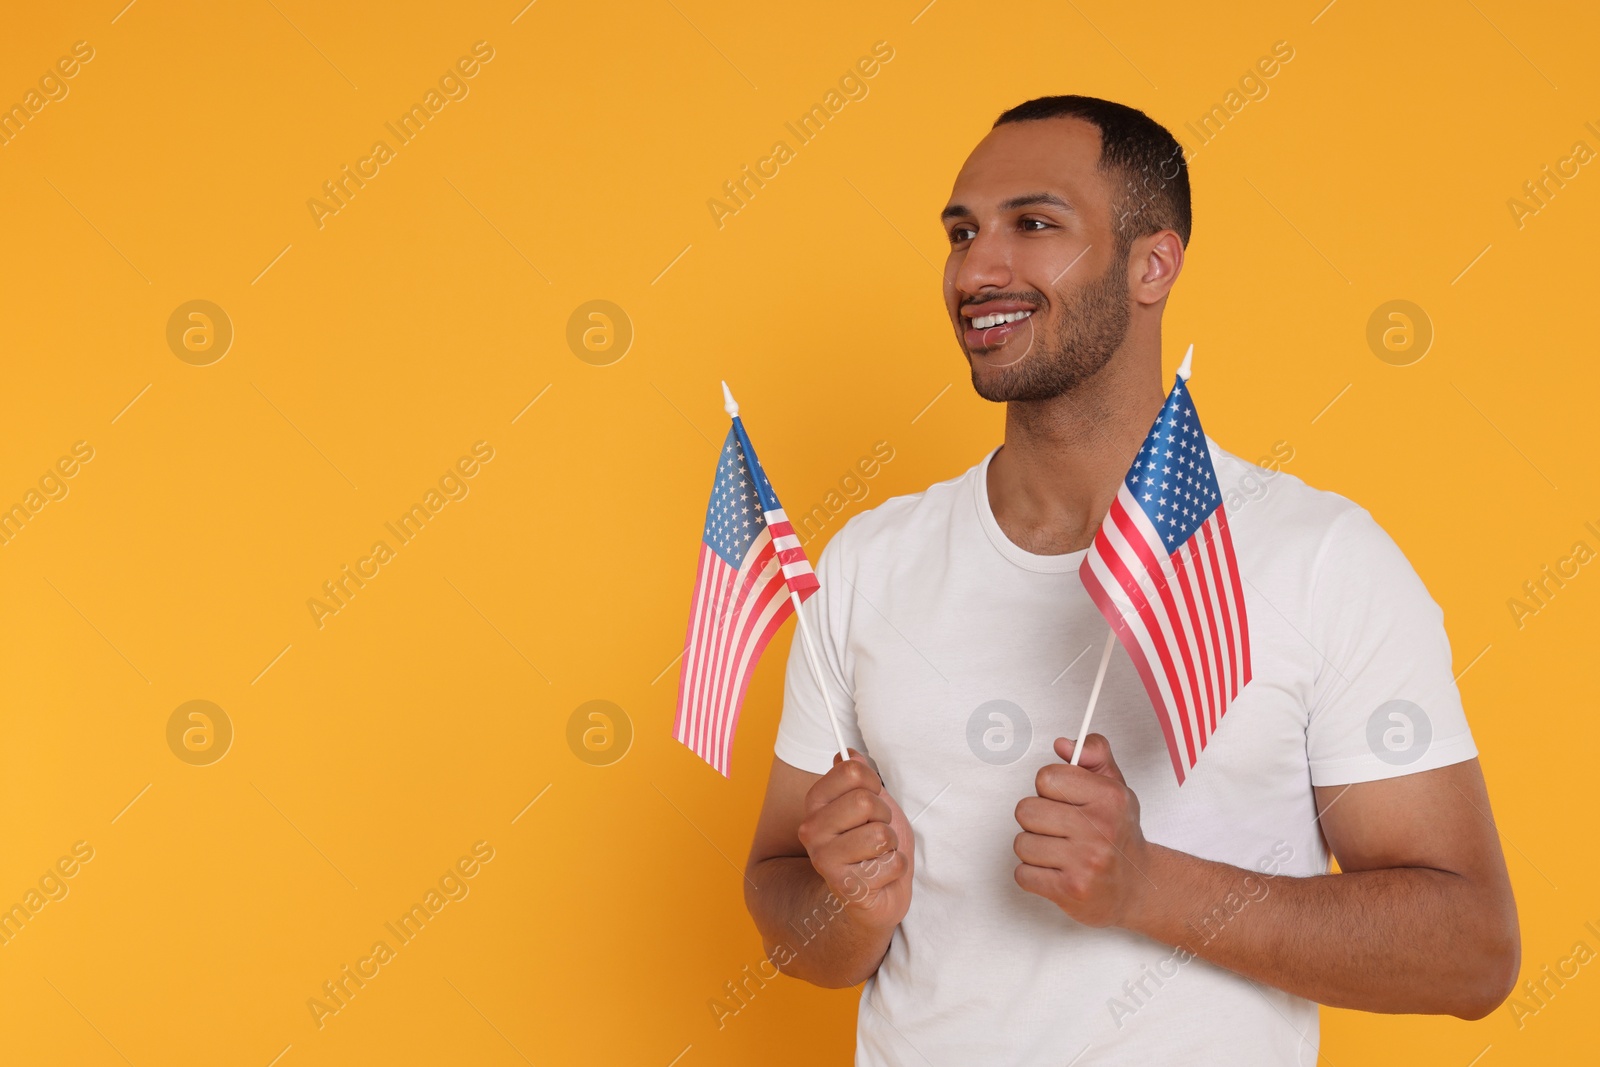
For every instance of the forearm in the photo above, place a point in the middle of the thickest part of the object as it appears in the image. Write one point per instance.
(808, 931)
(1408, 939)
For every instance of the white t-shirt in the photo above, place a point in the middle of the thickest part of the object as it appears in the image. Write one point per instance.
(955, 658)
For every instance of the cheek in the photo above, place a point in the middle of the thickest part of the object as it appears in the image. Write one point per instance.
(1064, 268)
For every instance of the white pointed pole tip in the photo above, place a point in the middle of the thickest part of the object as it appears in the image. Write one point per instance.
(1183, 368)
(728, 403)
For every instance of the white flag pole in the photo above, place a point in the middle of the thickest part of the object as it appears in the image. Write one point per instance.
(1094, 694)
(1188, 357)
(1111, 635)
(816, 673)
(732, 408)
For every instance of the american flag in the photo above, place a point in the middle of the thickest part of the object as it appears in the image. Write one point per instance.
(750, 561)
(1163, 573)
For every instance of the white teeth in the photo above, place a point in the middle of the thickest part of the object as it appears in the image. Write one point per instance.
(983, 322)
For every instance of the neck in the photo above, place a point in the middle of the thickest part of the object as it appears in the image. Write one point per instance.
(1054, 478)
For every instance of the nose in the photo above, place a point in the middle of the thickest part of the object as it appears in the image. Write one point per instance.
(984, 264)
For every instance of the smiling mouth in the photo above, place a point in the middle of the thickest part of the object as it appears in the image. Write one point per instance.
(987, 333)
(984, 322)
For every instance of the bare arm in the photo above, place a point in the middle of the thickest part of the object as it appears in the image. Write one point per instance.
(829, 874)
(1420, 919)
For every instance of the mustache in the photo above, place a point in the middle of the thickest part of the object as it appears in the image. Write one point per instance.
(1033, 300)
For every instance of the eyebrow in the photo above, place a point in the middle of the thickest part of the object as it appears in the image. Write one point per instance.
(1025, 200)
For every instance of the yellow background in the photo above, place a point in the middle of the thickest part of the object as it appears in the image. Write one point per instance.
(372, 352)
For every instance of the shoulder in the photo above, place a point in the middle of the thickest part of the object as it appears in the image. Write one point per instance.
(1291, 532)
(900, 522)
(1263, 497)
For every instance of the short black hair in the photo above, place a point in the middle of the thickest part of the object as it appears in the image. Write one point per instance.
(1139, 154)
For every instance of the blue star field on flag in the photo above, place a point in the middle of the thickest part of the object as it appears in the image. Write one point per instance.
(735, 515)
(1172, 478)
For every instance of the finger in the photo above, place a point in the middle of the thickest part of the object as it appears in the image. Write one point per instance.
(1053, 818)
(1036, 880)
(1069, 784)
(872, 841)
(1049, 817)
(844, 776)
(854, 755)
(857, 808)
(1095, 757)
(1040, 851)
(875, 873)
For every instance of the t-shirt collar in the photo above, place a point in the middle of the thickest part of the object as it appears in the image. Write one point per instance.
(1029, 561)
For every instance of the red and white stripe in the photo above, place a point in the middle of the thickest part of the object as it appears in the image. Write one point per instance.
(796, 568)
(1179, 614)
(734, 614)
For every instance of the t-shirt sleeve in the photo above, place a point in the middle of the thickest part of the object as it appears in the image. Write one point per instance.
(805, 737)
(1384, 702)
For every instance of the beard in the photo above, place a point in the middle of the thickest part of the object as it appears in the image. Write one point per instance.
(1089, 329)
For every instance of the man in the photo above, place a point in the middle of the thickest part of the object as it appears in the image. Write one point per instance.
(1033, 912)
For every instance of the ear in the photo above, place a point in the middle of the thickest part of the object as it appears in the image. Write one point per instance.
(1154, 263)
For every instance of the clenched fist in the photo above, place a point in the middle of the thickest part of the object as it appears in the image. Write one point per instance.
(860, 842)
(1081, 846)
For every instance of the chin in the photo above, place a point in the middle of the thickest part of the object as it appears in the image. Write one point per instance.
(998, 388)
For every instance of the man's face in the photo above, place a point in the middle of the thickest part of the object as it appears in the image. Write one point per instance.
(1031, 235)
